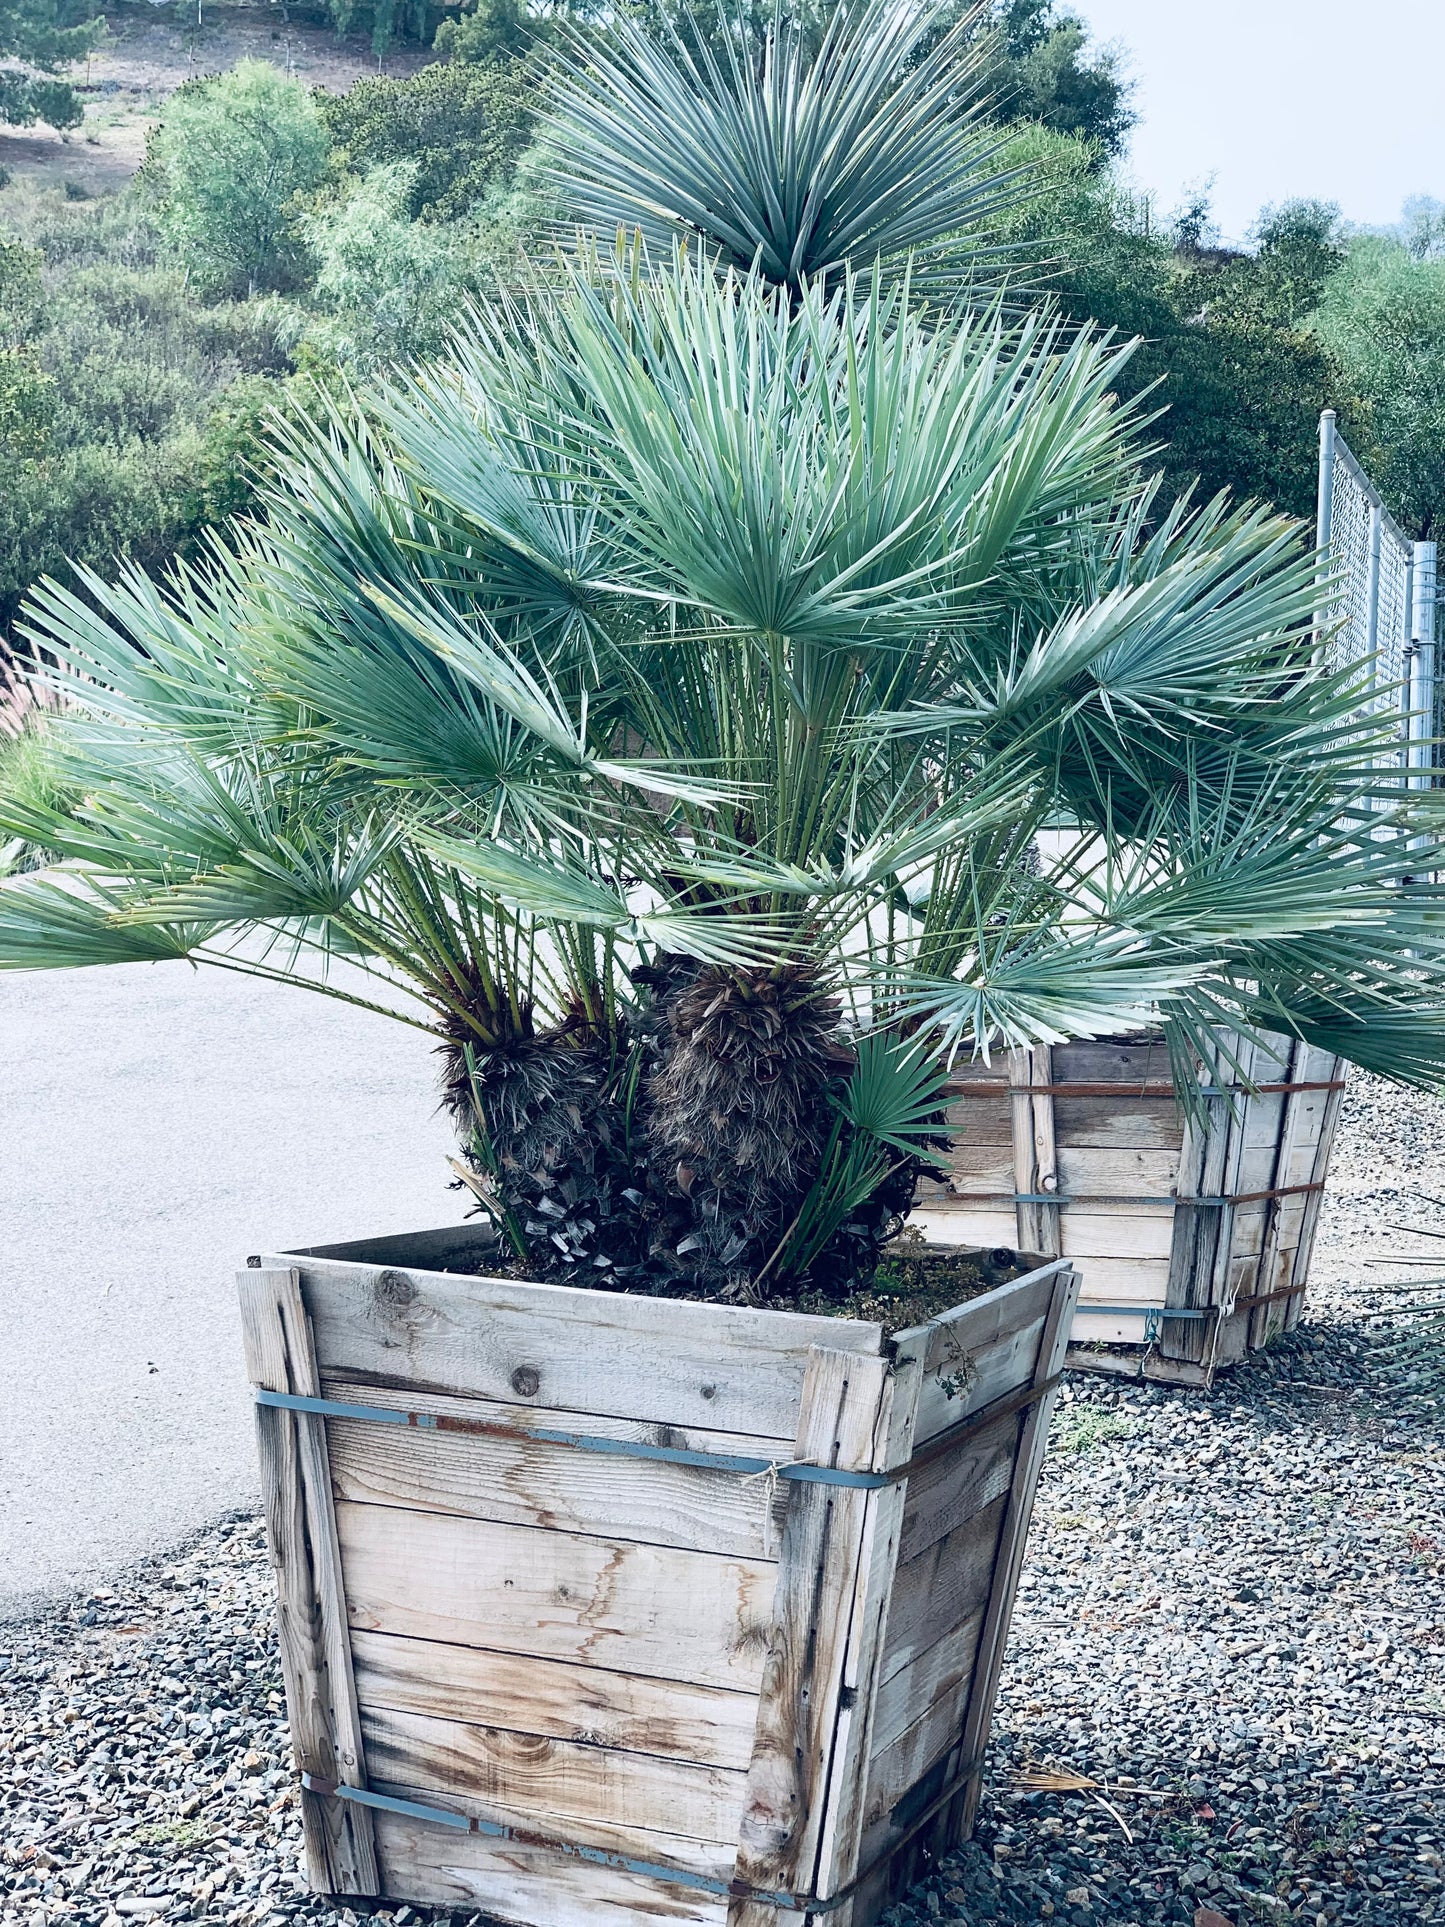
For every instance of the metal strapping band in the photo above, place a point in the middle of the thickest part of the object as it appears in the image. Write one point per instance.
(625, 1863)
(1091, 1197)
(1135, 1090)
(666, 1454)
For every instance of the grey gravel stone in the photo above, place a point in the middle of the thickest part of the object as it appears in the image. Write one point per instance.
(1223, 1700)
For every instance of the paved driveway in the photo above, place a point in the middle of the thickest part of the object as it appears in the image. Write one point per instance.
(157, 1123)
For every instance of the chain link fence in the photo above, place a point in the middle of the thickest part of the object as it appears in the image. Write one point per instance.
(1383, 604)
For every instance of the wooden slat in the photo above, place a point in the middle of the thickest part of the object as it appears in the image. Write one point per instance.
(671, 1613)
(956, 1821)
(551, 1486)
(1330, 1069)
(1139, 1231)
(945, 1665)
(1119, 1123)
(900, 1765)
(553, 1786)
(1127, 1061)
(1123, 1281)
(842, 1838)
(1117, 1172)
(841, 1424)
(952, 1488)
(981, 1350)
(563, 1348)
(942, 1586)
(310, 1612)
(671, 1718)
(1036, 1167)
(442, 1867)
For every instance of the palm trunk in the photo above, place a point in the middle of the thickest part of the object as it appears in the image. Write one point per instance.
(541, 1131)
(735, 1116)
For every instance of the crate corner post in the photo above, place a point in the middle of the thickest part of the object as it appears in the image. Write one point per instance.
(312, 1630)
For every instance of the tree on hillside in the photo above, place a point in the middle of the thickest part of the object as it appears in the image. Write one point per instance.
(1383, 317)
(45, 35)
(1225, 345)
(230, 158)
(461, 126)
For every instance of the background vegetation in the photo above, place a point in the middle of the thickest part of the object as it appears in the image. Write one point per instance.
(278, 244)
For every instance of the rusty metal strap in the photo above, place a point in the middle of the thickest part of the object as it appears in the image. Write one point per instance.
(627, 1863)
(746, 1467)
(1268, 1297)
(1089, 1197)
(1145, 1090)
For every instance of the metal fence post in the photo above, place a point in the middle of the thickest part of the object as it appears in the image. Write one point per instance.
(1422, 665)
(1324, 520)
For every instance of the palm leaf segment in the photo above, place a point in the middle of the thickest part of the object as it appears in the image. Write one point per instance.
(873, 146)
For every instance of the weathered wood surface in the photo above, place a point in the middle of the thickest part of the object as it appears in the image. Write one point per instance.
(981, 1351)
(942, 1586)
(565, 1348)
(534, 1483)
(842, 1837)
(531, 1886)
(310, 1609)
(947, 1492)
(931, 1676)
(841, 1423)
(674, 1719)
(1036, 1164)
(670, 1613)
(555, 1786)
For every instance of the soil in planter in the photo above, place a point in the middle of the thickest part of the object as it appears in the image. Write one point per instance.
(915, 1282)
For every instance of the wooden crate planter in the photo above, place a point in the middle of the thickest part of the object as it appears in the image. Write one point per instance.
(648, 1610)
(1192, 1243)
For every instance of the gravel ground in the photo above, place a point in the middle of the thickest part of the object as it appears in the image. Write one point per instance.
(1224, 1700)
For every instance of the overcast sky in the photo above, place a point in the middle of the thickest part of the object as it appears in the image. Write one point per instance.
(1279, 98)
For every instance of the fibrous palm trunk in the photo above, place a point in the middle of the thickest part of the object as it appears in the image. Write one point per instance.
(734, 1116)
(541, 1132)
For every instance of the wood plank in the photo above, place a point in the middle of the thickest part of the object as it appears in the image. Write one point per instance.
(310, 1612)
(954, 1222)
(956, 1820)
(552, 1786)
(952, 1488)
(970, 1364)
(947, 1664)
(1119, 1123)
(443, 1867)
(842, 1837)
(1118, 1171)
(1102, 1061)
(903, 1763)
(553, 1487)
(842, 1423)
(671, 1718)
(562, 1348)
(1330, 1069)
(1036, 1166)
(1123, 1281)
(1146, 1232)
(942, 1587)
(668, 1612)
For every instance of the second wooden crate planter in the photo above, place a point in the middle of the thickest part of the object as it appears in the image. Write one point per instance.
(603, 1608)
(1192, 1236)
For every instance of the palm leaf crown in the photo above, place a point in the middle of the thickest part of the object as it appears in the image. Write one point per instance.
(716, 696)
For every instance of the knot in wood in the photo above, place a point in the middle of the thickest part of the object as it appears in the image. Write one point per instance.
(526, 1381)
(393, 1290)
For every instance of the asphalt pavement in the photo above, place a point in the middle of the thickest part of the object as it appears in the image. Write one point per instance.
(157, 1124)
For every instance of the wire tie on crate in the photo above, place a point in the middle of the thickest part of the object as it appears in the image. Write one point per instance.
(749, 1468)
(626, 1863)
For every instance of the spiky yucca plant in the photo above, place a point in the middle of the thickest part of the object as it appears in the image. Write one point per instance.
(708, 702)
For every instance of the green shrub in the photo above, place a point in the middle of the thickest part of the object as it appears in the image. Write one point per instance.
(230, 160)
(464, 127)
